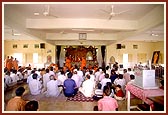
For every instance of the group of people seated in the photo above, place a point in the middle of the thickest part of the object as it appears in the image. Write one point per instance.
(104, 85)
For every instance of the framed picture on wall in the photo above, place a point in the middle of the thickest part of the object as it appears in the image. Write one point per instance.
(155, 57)
(14, 45)
(25, 46)
(82, 36)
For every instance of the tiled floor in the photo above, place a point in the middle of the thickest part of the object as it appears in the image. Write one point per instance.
(60, 104)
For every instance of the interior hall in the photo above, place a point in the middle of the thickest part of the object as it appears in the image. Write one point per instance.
(84, 57)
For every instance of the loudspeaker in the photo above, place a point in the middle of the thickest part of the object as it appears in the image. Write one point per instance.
(42, 45)
(118, 46)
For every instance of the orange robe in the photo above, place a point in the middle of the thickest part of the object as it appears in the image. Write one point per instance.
(9, 64)
(6, 62)
(68, 63)
(83, 63)
(15, 64)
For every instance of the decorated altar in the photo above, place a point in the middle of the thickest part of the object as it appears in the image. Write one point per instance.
(75, 55)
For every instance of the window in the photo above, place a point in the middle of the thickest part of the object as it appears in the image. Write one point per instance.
(25, 46)
(19, 57)
(14, 45)
(35, 57)
(36, 45)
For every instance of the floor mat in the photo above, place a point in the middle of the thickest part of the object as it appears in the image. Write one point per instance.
(81, 98)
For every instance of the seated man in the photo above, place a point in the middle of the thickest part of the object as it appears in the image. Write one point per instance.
(70, 87)
(32, 106)
(87, 87)
(34, 85)
(107, 103)
(17, 103)
(52, 87)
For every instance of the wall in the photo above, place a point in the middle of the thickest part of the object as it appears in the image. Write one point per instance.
(27, 53)
(142, 54)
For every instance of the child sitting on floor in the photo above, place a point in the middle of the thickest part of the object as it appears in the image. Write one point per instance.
(119, 95)
(98, 92)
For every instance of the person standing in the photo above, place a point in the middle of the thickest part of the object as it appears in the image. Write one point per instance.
(126, 76)
(6, 61)
(15, 64)
(10, 64)
(68, 63)
(83, 63)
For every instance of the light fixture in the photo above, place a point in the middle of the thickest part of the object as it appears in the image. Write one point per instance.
(36, 13)
(80, 29)
(16, 34)
(154, 34)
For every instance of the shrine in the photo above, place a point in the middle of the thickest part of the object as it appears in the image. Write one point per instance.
(75, 55)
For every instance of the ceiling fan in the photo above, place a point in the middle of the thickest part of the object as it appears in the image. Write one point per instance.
(46, 12)
(112, 13)
(14, 33)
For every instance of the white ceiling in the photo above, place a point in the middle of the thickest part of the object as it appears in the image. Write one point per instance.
(136, 24)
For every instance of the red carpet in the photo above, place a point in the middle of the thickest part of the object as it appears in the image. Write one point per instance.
(81, 98)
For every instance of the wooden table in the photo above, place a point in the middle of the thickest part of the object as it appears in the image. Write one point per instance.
(158, 103)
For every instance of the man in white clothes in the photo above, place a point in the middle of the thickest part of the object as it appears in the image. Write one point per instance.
(87, 87)
(97, 74)
(46, 78)
(120, 81)
(52, 88)
(92, 77)
(35, 85)
(14, 77)
(80, 74)
(132, 77)
(52, 71)
(29, 78)
(61, 78)
(76, 78)
(105, 80)
(102, 75)
(8, 79)
(126, 76)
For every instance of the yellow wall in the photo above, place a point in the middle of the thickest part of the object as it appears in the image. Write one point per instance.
(142, 54)
(27, 53)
